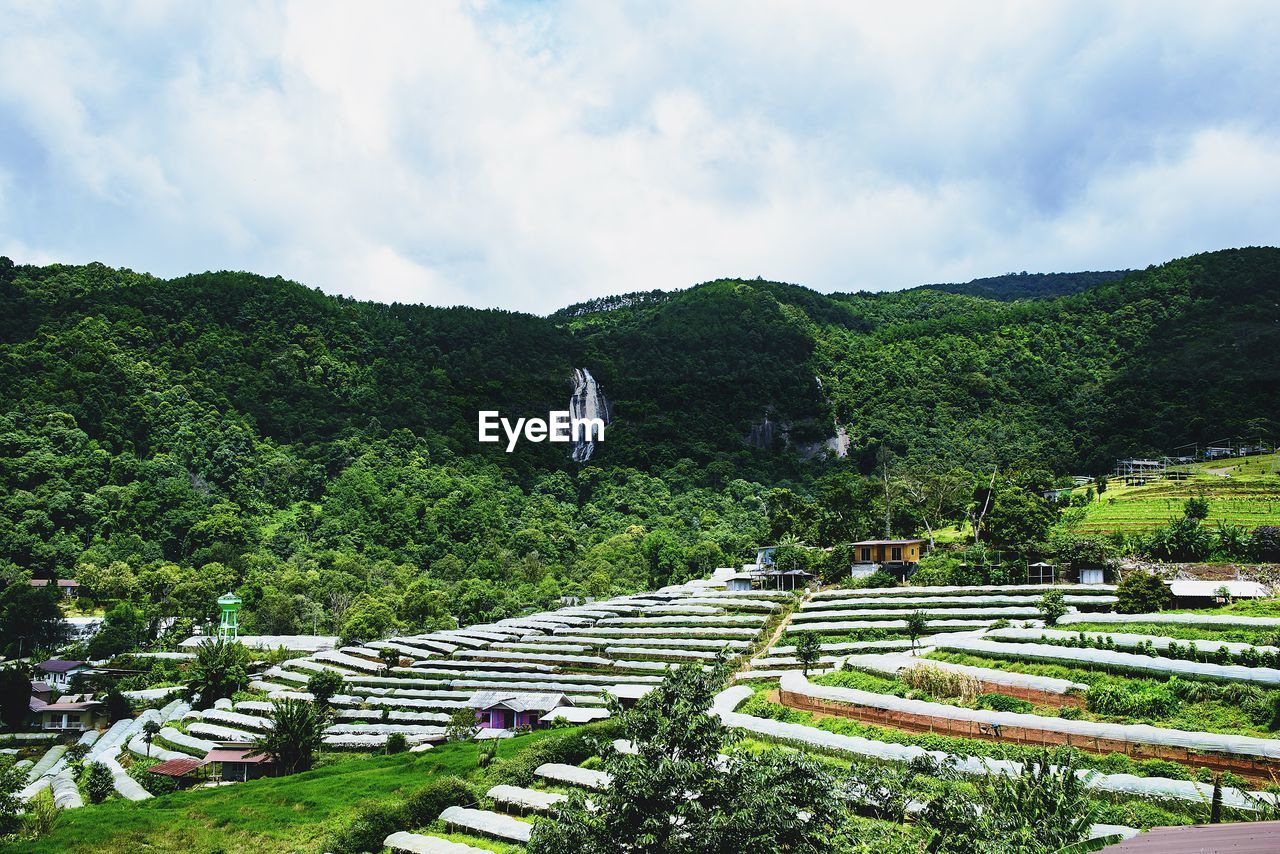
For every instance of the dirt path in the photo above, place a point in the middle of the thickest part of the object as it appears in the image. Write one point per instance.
(778, 632)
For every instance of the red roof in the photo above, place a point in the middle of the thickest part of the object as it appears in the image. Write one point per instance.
(1251, 837)
(175, 767)
(235, 754)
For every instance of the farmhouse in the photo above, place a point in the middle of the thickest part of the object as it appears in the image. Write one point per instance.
(58, 673)
(508, 710)
(68, 587)
(898, 557)
(236, 764)
(72, 713)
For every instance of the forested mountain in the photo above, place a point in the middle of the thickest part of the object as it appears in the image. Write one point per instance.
(1026, 285)
(166, 439)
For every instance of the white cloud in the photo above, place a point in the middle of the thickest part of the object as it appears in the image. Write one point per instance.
(530, 156)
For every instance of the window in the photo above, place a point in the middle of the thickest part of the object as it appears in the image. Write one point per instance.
(897, 552)
(866, 554)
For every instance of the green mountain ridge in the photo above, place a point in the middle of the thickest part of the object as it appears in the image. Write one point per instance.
(167, 440)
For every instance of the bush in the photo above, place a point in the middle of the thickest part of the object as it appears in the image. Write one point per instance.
(98, 784)
(1142, 593)
(941, 683)
(397, 743)
(1107, 698)
(425, 805)
(1004, 703)
(1266, 543)
(570, 748)
(879, 578)
(369, 828)
(936, 570)
(156, 784)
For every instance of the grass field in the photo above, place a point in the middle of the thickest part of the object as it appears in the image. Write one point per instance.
(295, 813)
(1243, 492)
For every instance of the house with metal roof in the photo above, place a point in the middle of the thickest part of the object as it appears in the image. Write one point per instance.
(508, 709)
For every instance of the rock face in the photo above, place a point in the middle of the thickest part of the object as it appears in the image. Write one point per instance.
(588, 401)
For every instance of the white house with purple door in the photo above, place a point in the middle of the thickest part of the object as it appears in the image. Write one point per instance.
(511, 709)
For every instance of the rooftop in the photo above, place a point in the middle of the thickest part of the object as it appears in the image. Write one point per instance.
(234, 754)
(887, 542)
(1236, 589)
(1253, 837)
(57, 665)
(519, 701)
(176, 767)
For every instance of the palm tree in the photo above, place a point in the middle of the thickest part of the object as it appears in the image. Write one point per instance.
(220, 669)
(296, 735)
(149, 730)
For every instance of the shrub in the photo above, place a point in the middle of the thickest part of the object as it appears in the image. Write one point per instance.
(1266, 543)
(397, 743)
(425, 805)
(570, 748)
(1052, 606)
(156, 784)
(1108, 698)
(941, 683)
(935, 570)
(1142, 593)
(98, 784)
(370, 827)
(879, 578)
(1004, 703)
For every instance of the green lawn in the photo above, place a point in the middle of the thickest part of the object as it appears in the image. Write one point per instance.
(1243, 492)
(295, 813)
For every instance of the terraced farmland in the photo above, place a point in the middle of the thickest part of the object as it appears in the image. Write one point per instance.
(1244, 492)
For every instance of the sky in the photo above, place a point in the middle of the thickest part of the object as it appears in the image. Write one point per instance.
(531, 155)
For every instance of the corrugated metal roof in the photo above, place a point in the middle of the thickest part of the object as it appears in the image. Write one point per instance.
(1236, 589)
(1254, 837)
(175, 767)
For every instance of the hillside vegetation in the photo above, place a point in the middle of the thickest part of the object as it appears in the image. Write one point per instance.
(1243, 492)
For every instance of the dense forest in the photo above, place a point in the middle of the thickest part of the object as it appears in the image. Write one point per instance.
(164, 440)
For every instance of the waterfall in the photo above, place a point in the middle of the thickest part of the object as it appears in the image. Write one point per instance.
(587, 402)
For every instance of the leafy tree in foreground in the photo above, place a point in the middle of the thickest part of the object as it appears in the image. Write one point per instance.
(220, 669)
(11, 780)
(1044, 809)
(675, 795)
(1142, 593)
(296, 736)
(98, 784)
(15, 695)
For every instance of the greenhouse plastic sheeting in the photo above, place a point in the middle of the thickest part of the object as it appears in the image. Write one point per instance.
(1176, 619)
(530, 799)
(947, 601)
(416, 843)
(691, 643)
(189, 742)
(943, 613)
(894, 664)
(1204, 742)
(1113, 659)
(671, 631)
(979, 590)
(692, 620)
(488, 823)
(1129, 641)
(1151, 787)
(846, 625)
(239, 720)
(587, 778)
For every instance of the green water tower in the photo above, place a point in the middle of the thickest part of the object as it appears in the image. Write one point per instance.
(229, 625)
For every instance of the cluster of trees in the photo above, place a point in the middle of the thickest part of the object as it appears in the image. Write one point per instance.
(679, 791)
(165, 441)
